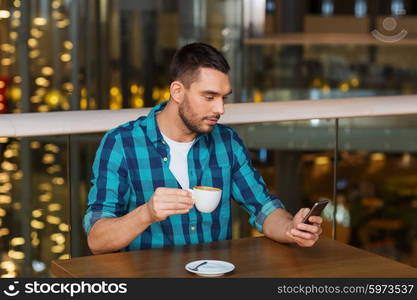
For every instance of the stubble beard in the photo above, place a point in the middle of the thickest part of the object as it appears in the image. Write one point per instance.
(184, 112)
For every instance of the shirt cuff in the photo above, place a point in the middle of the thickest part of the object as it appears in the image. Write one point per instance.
(93, 216)
(266, 210)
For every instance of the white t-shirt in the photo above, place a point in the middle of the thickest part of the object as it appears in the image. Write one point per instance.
(178, 164)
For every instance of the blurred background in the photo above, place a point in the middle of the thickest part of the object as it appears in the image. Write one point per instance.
(59, 55)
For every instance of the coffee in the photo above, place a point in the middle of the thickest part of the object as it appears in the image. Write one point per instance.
(207, 188)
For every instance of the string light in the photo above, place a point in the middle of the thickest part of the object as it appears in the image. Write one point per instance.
(17, 241)
(45, 187)
(37, 213)
(55, 4)
(6, 62)
(54, 207)
(35, 145)
(63, 227)
(52, 148)
(42, 81)
(325, 89)
(4, 14)
(47, 71)
(53, 220)
(13, 35)
(58, 238)
(32, 42)
(4, 231)
(58, 248)
(58, 180)
(18, 255)
(62, 24)
(36, 33)
(54, 98)
(48, 158)
(45, 197)
(66, 57)
(4, 177)
(34, 53)
(37, 224)
(17, 175)
(40, 21)
(115, 98)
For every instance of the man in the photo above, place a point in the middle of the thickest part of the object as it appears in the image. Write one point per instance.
(142, 170)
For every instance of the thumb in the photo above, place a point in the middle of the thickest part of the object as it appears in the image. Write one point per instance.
(301, 214)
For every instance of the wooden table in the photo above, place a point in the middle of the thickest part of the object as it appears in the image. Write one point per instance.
(252, 257)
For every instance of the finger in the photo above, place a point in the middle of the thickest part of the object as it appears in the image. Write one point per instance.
(174, 199)
(304, 211)
(172, 191)
(302, 234)
(176, 212)
(308, 228)
(173, 206)
(320, 231)
(301, 242)
(295, 238)
(316, 219)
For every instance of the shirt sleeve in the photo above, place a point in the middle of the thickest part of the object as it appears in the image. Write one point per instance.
(108, 196)
(248, 187)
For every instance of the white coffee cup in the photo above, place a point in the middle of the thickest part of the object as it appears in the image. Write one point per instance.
(206, 198)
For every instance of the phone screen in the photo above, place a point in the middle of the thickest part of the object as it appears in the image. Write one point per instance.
(315, 210)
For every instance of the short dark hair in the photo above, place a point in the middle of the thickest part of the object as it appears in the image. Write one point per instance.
(191, 57)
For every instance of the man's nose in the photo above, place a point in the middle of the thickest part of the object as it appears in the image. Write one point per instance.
(219, 107)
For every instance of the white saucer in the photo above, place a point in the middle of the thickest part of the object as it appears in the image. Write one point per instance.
(212, 268)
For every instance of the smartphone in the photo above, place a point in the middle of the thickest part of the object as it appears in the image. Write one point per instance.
(316, 210)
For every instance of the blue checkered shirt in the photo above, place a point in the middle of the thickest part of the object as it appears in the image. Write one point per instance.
(132, 161)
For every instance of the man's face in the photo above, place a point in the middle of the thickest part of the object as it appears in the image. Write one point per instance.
(203, 101)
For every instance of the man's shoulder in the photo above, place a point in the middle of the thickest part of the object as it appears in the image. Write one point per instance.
(131, 128)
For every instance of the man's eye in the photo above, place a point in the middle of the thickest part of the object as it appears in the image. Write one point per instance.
(209, 97)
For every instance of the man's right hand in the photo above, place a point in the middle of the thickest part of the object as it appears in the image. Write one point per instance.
(168, 201)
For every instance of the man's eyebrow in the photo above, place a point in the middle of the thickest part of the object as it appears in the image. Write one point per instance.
(214, 93)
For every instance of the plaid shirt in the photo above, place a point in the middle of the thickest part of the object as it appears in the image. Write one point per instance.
(132, 161)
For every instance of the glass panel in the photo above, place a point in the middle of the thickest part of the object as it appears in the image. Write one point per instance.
(34, 206)
(83, 148)
(278, 73)
(296, 162)
(377, 184)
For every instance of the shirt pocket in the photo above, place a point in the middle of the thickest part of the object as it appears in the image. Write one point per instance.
(216, 176)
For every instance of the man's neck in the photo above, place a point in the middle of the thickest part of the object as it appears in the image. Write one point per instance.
(171, 125)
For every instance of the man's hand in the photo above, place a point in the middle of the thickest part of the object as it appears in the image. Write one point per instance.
(303, 234)
(168, 201)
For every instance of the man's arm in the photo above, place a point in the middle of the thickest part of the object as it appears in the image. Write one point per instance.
(266, 212)
(112, 234)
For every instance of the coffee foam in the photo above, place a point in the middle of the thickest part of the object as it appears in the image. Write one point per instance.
(207, 188)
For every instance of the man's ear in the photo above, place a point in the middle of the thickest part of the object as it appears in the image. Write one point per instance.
(177, 90)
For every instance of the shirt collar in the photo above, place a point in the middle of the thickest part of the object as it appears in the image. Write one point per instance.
(152, 129)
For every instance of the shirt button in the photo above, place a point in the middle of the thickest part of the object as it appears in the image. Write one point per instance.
(192, 228)
(163, 142)
(165, 158)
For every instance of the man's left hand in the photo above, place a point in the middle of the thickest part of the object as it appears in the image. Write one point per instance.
(303, 234)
